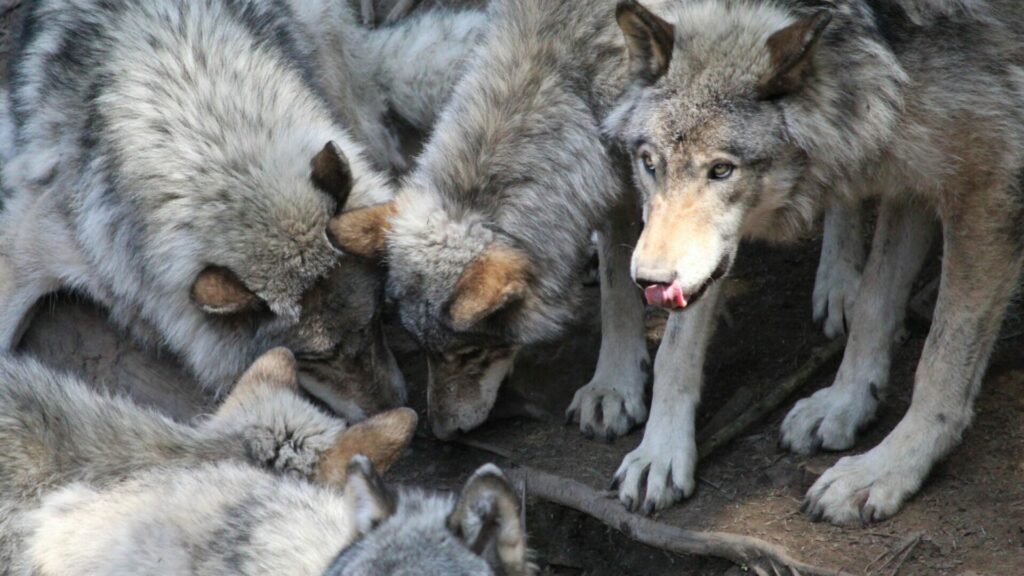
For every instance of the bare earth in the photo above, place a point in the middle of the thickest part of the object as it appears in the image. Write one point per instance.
(968, 519)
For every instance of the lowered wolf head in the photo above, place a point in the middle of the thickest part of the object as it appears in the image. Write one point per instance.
(299, 290)
(709, 125)
(409, 531)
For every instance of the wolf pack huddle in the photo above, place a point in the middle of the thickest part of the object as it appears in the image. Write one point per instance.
(227, 178)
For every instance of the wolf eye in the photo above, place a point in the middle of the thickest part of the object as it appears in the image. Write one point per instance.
(721, 171)
(648, 163)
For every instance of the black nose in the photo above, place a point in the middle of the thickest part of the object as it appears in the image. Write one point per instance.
(650, 278)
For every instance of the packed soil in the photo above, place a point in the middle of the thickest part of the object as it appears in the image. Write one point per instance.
(967, 520)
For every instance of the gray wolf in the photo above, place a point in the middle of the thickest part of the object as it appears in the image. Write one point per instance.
(488, 234)
(744, 119)
(183, 163)
(94, 484)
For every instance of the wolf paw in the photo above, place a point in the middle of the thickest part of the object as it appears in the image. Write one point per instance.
(835, 291)
(829, 419)
(864, 489)
(607, 411)
(656, 475)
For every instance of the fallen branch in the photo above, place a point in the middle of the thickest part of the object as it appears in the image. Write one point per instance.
(764, 558)
(739, 415)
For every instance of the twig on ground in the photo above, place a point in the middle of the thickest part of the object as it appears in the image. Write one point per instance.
(737, 417)
(896, 556)
(763, 558)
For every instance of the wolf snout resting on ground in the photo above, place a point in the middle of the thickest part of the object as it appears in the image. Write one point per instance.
(269, 484)
(184, 163)
(743, 121)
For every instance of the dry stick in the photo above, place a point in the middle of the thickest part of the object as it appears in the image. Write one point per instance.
(760, 556)
(744, 550)
(776, 396)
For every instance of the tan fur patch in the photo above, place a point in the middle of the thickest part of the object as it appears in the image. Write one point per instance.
(363, 232)
(218, 290)
(274, 369)
(494, 280)
(382, 438)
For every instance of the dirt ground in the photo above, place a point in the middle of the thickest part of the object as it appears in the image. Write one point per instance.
(967, 520)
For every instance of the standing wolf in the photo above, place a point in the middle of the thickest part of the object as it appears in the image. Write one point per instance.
(183, 164)
(97, 485)
(490, 230)
(745, 118)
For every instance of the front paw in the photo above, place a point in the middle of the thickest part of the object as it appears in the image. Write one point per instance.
(835, 292)
(830, 418)
(606, 411)
(864, 489)
(656, 475)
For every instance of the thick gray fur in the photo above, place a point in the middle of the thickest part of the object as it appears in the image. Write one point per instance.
(153, 139)
(95, 485)
(919, 102)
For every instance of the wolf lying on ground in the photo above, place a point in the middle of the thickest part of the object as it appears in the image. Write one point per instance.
(91, 484)
(744, 119)
(183, 163)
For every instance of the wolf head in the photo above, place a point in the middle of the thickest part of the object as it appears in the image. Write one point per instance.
(297, 289)
(487, 236)
(735, 120)
(410, 532)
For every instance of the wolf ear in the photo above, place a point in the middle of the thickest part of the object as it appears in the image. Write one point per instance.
(363, 232)
(331, 174)
(218, 290)
(792, 51)
(274, 369)
(367, 498)
(382, 439)
(497, 278)
(649, 40)
(488, 518)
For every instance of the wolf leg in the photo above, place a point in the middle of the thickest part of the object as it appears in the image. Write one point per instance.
(832, 417)
(613, 402)
(981, 266)
(24, 279)
(839, 270)
(664, 462)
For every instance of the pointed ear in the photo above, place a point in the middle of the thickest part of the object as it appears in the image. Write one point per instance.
(367, 498)
(363, 232)
(218, 290)
(275, 369)
(497, 278)
(649, 40)
(792, 51)
(487, 518)
(332, 174)
(382, 439)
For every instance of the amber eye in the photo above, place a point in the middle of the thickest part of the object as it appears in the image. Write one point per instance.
(721, 171)
(648, 163)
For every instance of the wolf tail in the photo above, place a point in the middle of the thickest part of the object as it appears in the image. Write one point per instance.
(419, 60)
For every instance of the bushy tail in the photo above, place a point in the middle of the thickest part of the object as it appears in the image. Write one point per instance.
(419, 60)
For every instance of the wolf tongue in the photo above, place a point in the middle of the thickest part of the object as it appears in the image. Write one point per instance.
(669, 296)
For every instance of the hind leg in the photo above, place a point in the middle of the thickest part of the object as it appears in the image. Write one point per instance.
(832, 417)
(613, 402)
(839, 269)
(983, 249)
